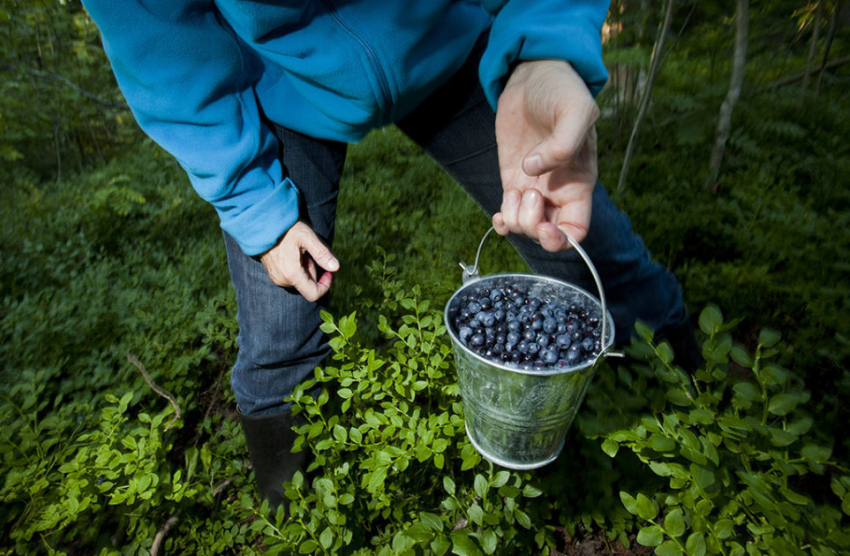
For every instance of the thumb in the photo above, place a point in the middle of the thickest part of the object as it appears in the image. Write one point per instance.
(319, 252)
(563, 145)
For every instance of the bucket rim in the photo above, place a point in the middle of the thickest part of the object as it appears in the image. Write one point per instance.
(542, 371)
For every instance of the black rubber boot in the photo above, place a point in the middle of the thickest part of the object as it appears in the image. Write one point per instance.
(687, 353)
(270, 439)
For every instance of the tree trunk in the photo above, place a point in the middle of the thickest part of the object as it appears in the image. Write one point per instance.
(833, 21)
(813, 47)
(724, 120)
(654, 67)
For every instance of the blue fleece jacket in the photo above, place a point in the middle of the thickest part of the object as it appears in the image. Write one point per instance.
(202, 77)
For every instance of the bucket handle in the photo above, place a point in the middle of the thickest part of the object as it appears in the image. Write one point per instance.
(470, 274)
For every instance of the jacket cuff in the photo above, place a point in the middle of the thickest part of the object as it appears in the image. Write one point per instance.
(257, 228)
(576, 41)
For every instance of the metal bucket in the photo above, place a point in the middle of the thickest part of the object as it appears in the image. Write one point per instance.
(519, 418)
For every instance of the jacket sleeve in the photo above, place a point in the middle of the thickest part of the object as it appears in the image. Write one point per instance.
(187, 82)
(545, 29)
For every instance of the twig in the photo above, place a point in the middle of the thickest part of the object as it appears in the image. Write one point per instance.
(132, 359)
(221, 486)
(160, 535)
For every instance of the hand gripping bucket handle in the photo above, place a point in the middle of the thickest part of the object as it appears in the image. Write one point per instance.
(518, 418)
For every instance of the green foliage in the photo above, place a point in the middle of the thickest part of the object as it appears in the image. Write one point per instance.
(392, 470)
(106, 251)
(732, 442)
(59, 104)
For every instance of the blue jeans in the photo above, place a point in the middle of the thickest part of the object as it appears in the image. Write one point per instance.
(279, 338)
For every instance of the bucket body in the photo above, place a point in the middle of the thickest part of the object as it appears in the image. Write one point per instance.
(518, 418)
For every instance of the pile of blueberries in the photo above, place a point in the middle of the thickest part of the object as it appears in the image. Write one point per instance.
(508, 326)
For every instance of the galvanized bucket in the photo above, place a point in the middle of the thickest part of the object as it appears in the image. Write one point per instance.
(519, 418)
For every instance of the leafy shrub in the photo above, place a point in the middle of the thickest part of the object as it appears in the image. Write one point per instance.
(733, 444)
(393, 471)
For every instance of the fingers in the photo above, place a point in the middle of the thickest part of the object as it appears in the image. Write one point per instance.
(528, 214)
(319, 251)
(522, 213)
(297, 258)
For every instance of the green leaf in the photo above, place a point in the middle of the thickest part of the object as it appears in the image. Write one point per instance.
(340, 433)
(530, 491)
(794, 497)
(674, 523)
(326, 539)
(449, 485)
(695, 545)
(462, 545)
(419, 533)
(629, 502)
(308, 547)
(501, 479)
(783, 404)
(522, 518)
(644, 331)
(432, 521)
(661, 443)
(703, 476)
(781, 438)
(490, 541)
(610, 447)
(440, 544)
(480, 485)
(646, 508)
(769, 337)
(668, 548)
(724, 528)
(702, 415)
(747, 391)
(741, 356)
(650, 536)
(476, 514)
(710, 320)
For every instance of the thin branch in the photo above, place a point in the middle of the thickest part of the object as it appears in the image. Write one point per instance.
(68, 83)
(654, 68)
(724, 120)
(829, 37)
(132, 359)
(797, 77)
(160, 535)
(221, 486)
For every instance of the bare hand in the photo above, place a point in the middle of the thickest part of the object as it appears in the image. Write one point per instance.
(296, 259)
(547, 154)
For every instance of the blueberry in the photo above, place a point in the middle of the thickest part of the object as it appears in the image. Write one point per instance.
(550, 325)
(487, 319)
(564, 341)
(476, 340)
(474, 308)
(513, 338)
(550, 356)
(533, 348)
(465, 332)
